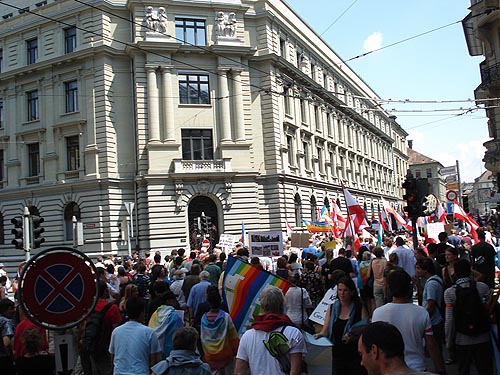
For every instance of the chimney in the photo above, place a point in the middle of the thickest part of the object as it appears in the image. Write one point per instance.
(410, 143)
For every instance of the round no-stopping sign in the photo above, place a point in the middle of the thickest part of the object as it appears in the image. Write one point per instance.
(58, 288)
(451, 195)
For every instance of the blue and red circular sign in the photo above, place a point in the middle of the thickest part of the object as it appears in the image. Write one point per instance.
(58, 288)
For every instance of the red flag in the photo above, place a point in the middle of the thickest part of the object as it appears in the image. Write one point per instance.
(459, 213)
(356, 214)
(383, 222)
(399, 219)
(441, 213)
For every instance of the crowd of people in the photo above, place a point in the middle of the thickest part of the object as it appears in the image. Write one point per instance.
(394, 305)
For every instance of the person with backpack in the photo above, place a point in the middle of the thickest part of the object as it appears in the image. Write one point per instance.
(432, 297)
(183, 359)
(467, 324)
(257, 352)
(95, 332)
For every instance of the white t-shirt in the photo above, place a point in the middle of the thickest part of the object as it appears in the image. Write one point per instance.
(260, 361)
(413, 322)
(296, 302)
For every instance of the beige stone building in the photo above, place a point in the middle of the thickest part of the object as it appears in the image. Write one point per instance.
(234, 109)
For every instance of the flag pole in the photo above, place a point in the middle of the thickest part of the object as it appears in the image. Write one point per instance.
(348, 215)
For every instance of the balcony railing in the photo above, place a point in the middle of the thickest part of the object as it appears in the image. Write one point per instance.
(490, 75)
(202, 166)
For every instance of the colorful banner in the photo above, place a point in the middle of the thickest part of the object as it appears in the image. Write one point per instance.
(243, 283)
(317, 226)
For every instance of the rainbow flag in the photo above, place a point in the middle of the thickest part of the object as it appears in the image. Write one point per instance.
(243, 283)
(317, 226)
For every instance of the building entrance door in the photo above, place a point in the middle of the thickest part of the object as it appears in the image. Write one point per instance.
(203, 222)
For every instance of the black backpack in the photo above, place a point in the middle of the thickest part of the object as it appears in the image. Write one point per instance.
(471, 318)
(442, 307)
(93, 340)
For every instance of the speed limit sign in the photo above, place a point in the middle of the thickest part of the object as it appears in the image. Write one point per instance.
(451, 195)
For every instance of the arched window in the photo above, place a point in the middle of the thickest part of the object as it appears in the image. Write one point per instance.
(298, 210)
(70, 210)
(314, 208)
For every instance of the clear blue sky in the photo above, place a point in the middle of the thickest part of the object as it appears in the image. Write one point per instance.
(435, 67)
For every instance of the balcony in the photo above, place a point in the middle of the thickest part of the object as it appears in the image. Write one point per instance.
(492, 156)
(202, 166)
(490, 76)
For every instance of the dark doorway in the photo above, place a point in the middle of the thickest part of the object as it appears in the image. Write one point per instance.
(203, 222)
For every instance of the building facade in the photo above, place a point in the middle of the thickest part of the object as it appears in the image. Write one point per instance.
(480, 29)
(422, 166)
(235, 110)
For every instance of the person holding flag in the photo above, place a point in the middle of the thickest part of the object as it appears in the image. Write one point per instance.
(356, 219)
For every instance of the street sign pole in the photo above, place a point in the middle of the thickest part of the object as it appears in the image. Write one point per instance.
(75, 232)
(129, 225)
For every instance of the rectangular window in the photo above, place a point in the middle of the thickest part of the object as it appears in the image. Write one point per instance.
(319, 152)
(317, 118)
(307, 156)
(73, 153)
(291, 152)
(283, 48)
(303, 110)
(69, 40)
(418, 173)
(33, 160)
(190, 31)
(288, 102)
(32, 105)
(197, 144)
(32, 51)
(329, 124)
(1, 60)
(194, 89)
(1, 114)
(71, 91)
(429, 173)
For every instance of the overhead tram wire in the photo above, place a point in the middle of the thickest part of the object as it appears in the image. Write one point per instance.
(203, 48)
(404, 40)
(131, 45)
(266, 90)
(339, 17)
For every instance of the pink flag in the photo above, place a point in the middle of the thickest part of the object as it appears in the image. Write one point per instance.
(288, 226)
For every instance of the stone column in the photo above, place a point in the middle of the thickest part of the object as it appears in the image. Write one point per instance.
(224, 107)
(239, 118)
(153, 105)
(168, 105)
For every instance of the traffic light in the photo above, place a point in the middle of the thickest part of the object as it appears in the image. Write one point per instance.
(413, 202)
(17, 232)
(37, 231)
(196, 224)
(205, 224)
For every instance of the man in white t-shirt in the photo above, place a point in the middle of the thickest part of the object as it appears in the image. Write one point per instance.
(412, 321)
(253, 357)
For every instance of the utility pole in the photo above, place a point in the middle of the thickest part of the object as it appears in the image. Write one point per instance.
(26, 233)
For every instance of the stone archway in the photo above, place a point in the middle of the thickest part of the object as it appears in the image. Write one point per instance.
(203, 205)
